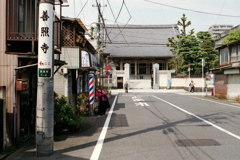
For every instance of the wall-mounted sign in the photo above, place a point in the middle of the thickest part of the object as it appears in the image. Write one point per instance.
(94, 61)
(85, 59)
(209, 79)
(45, 46)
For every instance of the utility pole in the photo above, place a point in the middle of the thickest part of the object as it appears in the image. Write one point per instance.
(45, 94)
(99, 34)
(203, 64)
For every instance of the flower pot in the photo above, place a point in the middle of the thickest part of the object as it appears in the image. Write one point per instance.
(78, 126)
(95, 111)
(82, 108)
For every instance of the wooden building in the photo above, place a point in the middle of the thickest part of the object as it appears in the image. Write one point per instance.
(19, 49)
(227, 75)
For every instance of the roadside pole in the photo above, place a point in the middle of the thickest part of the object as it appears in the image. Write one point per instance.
(189, 74)
(108, 78)
(91, 92)
(45, 93)
(203, 64)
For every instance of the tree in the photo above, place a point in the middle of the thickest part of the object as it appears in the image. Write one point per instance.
(231, 37)
(207, 45)
(190, 50)
(173, 43)
(184, 25)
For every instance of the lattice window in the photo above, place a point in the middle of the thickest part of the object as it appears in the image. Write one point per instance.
(68, 35)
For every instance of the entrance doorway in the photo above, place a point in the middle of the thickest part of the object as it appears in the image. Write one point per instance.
(120, 82)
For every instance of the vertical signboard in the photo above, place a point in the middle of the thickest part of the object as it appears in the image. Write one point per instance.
(45, 48)
(85, 59)
(94, 61)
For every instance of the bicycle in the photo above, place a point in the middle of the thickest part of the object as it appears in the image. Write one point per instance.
(24, 125)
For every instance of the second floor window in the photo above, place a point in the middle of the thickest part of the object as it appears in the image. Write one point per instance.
(21, 18)
(224, 56)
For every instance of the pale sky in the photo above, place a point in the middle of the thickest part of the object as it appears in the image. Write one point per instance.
(147, 13)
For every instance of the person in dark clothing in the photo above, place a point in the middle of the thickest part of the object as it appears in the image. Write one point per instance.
(103, 102)
(192, 87)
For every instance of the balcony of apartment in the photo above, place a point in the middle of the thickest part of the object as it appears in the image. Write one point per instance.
(22, 28)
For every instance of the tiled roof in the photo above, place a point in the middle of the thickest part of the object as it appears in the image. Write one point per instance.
(140, 40)
(78, 20)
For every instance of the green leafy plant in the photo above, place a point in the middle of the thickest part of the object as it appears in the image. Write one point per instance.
(75, 120)
(12, 148)
(55, 94)
(58, 103)
(231, 37)
(83, 99)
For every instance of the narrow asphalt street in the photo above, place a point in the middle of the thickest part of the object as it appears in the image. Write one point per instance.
(147, 125)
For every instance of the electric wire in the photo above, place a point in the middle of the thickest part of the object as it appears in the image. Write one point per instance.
(116, 20)
(82, 9)
(220, 11)
(192, 10)
(83, 12)
(128, 19)
(99, 11)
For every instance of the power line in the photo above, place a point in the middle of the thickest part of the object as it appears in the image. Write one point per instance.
(128, 19)
(220, 11)
(192, 10)
(99, 12)
(116, 20)
(82, 9)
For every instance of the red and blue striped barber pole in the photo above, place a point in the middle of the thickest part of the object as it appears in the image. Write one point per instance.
(91, 90)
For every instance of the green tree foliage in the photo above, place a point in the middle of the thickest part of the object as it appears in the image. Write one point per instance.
(173, 43)
(184, 25)
(207, 45)
(190, 50)
(231, 37)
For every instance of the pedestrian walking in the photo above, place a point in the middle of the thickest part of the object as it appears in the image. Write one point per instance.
(126, 86)
(191, 86)
(103, 101)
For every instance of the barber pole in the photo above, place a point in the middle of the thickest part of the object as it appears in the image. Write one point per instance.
(91, 90)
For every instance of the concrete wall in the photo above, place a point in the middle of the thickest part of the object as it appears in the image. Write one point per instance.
(59, 82)
(71, 56)
(233, 86)
(183, 83)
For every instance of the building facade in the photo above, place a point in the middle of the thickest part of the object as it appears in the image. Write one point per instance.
(219, 37)
(19, 54)
(227, 75)
(80, 56)
(140, 46)
(218, 28)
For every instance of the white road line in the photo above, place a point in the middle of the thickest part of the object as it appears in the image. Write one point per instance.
(221, 129)
(218, 102)
(97, 150)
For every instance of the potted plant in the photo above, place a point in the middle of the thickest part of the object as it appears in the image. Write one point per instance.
(95, 110)
(66, 113)
(58, 103)
(83, 101)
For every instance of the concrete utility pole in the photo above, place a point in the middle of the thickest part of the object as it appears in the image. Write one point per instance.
(99, 35)
(45, 93)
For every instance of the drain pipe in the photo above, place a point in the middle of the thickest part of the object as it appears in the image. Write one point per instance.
(14, 99)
